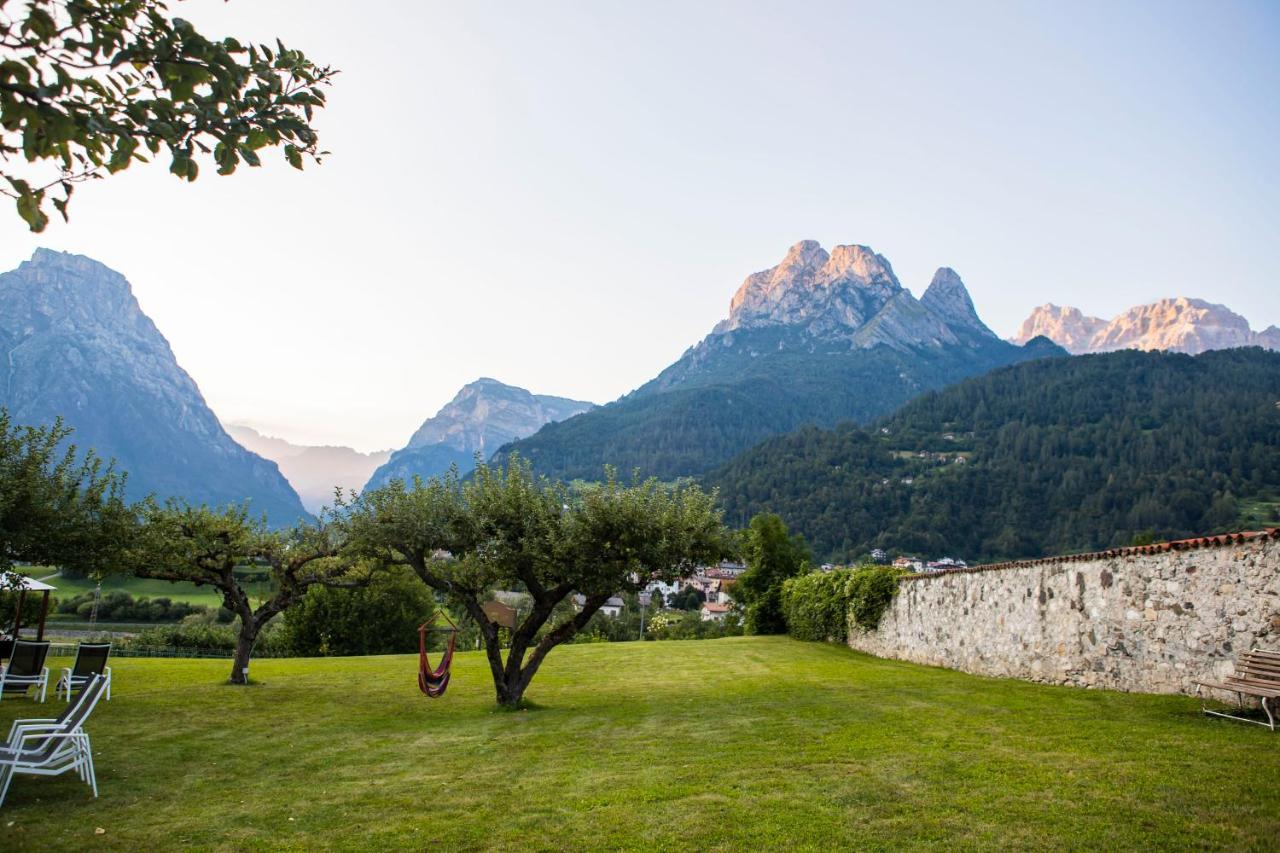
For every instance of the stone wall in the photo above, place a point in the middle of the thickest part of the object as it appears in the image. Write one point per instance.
(1149, 619)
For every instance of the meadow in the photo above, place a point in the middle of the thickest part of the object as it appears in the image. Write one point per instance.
(204, 596)
(739, 743)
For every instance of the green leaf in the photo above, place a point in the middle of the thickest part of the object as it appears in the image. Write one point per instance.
(29, 210)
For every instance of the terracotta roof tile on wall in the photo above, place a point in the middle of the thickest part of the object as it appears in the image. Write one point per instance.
(1218, 541)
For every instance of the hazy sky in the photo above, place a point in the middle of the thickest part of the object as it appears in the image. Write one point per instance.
(565, 195)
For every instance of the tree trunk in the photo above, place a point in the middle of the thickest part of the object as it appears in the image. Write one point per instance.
(511, 681)
(244, 647)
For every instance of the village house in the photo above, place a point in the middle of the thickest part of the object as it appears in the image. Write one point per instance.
(714, 611)
(611, 608)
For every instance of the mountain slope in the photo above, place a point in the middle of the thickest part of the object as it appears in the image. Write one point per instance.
(483, 416)
(75, 343)
(820, 338)
(1177, 325)
(1048, 457)
(313, 471)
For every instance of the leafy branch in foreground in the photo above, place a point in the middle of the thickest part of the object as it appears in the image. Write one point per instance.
(89, 86)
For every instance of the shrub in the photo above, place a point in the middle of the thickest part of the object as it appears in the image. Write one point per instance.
(381, 618)
(199, 633)
(120, 606)
(819, 605)
(676, 625)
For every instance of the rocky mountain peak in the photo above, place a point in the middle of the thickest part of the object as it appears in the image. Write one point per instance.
(811, 288)
(74, 286)
(78, 346)
(852, 297)
(859, 263)
(481, 417)
(1178, 324)
(486, 414)
(949, 298)
(1068, 327)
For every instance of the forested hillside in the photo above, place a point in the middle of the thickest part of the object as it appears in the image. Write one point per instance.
(1046, 457)
(694, 428)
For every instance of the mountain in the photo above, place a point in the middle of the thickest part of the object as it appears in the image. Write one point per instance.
(74, 342)
(819, 338)
(1177, 325)
(1046, 457)
(482, 417)
(313, 471)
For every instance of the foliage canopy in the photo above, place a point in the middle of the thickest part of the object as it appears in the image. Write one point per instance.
(87, 87)
(58, 506)
(772, 555)
(178, 542)
(505, 529)
(1047, 457)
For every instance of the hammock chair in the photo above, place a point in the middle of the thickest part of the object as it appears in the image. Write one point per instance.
(433, 682)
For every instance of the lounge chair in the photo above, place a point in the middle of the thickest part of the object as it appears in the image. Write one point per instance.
(52, 747)
(25, 669)
(91, 660)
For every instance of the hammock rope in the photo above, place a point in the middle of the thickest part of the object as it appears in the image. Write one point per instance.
(433, 682)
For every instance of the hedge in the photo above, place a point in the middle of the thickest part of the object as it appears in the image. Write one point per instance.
(819, 605)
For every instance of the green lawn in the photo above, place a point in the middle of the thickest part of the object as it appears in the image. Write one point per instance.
(742, 743)
(139, 587)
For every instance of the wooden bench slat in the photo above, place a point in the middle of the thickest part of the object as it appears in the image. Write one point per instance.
(1246, 689)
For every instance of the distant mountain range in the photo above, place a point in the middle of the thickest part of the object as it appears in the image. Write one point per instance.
(313, 471)
(1177, 325)
(75, 343)
(482, 417)
(818, 339)
(1050, 457)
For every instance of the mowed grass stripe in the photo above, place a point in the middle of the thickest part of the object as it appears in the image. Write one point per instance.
(723, 744)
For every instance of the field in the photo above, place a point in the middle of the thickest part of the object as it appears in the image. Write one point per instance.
(140, 587)
(742, 743)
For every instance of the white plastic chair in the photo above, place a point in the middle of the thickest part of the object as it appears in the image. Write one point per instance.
(26, 669)
(52, 747)
(91, 660)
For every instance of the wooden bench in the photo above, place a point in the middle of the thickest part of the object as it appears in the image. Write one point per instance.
(1257, 674)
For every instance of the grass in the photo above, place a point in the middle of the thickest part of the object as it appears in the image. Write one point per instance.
(1259, 512)
(205, 596)
(738, 743)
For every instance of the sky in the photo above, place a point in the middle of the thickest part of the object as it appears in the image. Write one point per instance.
(564, 196)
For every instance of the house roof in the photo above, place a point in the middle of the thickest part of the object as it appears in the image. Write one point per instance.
(714, 607)
(1220, 541)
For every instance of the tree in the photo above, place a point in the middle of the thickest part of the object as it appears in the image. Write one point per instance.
(504, 529)
(177, 542)
(772, 555)
(378, 619)
(689, 598)
(89, 86)
(56, 505)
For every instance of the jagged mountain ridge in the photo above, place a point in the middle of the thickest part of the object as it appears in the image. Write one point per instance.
(482, 416)
(1179, 324)
(76, 344)
(313, 470)
(819, 338)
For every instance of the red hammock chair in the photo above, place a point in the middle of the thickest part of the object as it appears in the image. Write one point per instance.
(433, 682)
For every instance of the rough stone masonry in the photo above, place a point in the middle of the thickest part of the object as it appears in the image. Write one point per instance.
(1150, 619)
